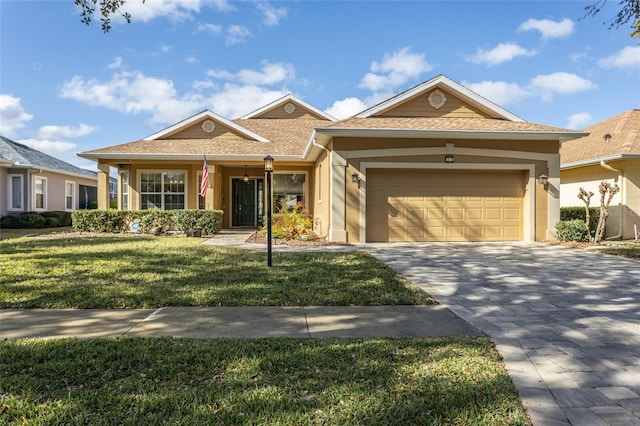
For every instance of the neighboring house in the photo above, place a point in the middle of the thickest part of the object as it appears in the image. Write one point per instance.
(32, 181)
(611, 152)
(435, 163)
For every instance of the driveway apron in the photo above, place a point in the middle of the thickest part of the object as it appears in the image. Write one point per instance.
(565, 320)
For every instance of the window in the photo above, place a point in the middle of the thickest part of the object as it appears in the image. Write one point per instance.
(15, 193)
(289, 191)
(69, 195)
(162, 190)
(124, 198)
(40, 193)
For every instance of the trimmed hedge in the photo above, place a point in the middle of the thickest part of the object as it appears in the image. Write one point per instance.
(31, 220)
(152, 221)
(572, 230)
(572, 213)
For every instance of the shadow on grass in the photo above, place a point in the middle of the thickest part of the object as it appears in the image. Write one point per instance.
(266, 381)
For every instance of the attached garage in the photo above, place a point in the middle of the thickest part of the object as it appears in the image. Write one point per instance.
(445, 205)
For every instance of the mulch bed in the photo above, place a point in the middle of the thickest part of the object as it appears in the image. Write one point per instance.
(257, 238)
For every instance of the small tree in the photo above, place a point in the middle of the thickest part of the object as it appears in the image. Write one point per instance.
(586, 198)
(607, 191)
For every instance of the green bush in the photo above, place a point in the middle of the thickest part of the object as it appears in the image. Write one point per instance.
(101, 220)
(62, 218)
(572, 230)
(93, 205)
(208, 221)
(9, 222)
(293, 225)
(571, 213)
(154, 221)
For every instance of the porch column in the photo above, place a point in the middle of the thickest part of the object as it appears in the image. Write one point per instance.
(337, 220)
(553, 196)
(103, 186)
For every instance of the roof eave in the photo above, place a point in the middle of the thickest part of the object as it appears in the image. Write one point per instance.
(596, 161)
(118, 157)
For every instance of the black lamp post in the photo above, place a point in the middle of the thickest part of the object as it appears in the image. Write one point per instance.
(268, 169)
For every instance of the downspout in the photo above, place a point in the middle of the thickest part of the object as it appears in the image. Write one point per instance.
(621, 175)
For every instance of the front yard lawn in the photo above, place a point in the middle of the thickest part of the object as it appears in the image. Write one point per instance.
(137, 381)
(151, 272)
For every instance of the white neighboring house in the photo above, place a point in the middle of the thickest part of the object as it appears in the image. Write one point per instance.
(32, 181)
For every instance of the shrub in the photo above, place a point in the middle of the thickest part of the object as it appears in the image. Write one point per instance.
(61, 218)
(571, 213)
(100, 220)
(572, 230)
(293, 225)
(208, 221)
(154, 221)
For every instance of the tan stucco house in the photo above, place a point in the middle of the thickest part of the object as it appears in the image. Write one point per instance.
(435, 163)
(610, 152)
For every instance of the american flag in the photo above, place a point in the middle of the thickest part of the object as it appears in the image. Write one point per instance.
(204, 183)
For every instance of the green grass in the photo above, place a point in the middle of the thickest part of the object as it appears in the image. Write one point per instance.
(150, 272)
(135, 381)
(6, 234)
(621, 248)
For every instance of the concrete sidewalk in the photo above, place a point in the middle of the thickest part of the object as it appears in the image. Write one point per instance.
(243, 322)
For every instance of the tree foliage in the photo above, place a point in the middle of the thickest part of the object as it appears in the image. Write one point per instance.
(629, 11)
(106, 9)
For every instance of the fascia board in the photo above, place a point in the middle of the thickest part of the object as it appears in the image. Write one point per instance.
(189, 121)
(596, 161)
(190, 157)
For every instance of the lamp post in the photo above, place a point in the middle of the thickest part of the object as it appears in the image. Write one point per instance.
(268, 169)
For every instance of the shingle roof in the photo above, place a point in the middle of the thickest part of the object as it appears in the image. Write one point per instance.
(23, 156)
(625, 139)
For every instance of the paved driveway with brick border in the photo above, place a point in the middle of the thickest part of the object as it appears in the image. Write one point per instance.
(566, 321)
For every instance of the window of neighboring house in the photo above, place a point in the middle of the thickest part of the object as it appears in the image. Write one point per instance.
(289, 191)
(124, 190)
(69, 195)
(162, 190)
(15, 193)
(40, 193)
(201, 199)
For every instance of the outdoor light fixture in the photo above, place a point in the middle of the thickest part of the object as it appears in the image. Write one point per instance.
(543, 179)
(355, 178)
(607, 138)
(268, 169)
(448, 158)
(246, 176)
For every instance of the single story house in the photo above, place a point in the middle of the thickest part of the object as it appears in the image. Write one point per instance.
(610, 152)
(437, 162)
(32, 181)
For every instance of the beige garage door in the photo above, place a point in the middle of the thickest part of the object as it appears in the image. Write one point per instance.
(420, 205)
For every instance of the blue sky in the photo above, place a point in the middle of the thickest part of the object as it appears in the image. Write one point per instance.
(66, 87)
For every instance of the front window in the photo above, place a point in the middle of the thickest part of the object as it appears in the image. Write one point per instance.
(162, 190)
(69, 195)
(124, 182)
(40, 193)
(15, 193)
(289, 192)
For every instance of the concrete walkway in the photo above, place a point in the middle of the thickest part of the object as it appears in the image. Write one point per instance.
(566, 321)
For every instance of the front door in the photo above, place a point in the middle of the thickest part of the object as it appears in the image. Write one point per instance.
(247, 202)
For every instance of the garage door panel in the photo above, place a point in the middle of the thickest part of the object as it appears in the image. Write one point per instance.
(419, 205)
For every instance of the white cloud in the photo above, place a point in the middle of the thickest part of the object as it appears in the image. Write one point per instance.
(133, 93)
(503, 52)
(210, 28)
(12, 115)
(149, 10)
(579, 120)
(396, 69)
(560, 82)
(63, 132)
(628, 57)
(346, 108)
(499, 92)
(268, 75)
(548, 28)
(191, 60)
(166, 48)
(117, 63)
(52, 147)
(235, 101)
(237, 34)
(272, 15)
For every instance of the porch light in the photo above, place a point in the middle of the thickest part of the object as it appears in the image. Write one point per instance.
(246, 176)
(607, 138)
(355, 178)
(268, 169)
(448, 158)
(543, 179)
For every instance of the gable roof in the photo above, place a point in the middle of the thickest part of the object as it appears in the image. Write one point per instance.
(445, 82)
(22, 156)
(624, 131)
(286, 100)
(212, 116)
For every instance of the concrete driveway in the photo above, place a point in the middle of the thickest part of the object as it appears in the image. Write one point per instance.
(566, 321)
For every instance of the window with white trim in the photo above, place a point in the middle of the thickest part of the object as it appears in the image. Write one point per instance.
(15, 193)
(39, 193)
(69, 195)
(162, 190)
(289, 192)
(124, 190)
